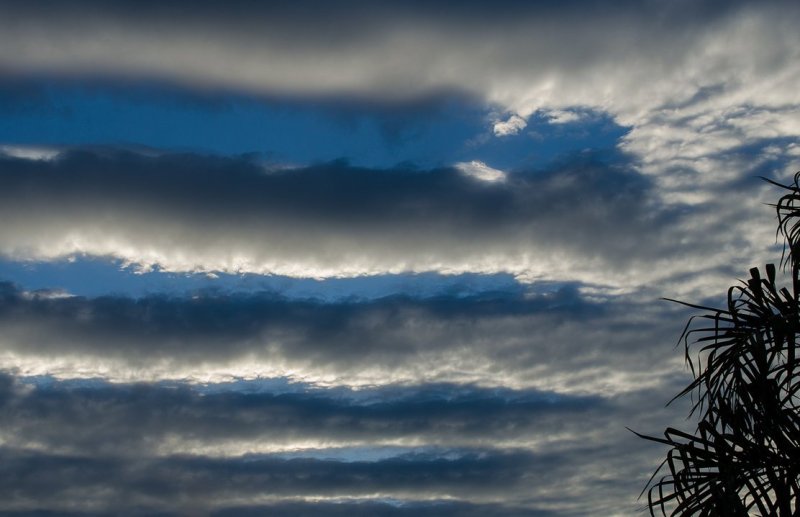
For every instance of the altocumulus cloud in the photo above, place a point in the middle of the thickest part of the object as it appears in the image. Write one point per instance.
(583, 219)
(694, 80)
(173, 447)
(180, 418)
(485, 404)
(131, 483)
(549, 341)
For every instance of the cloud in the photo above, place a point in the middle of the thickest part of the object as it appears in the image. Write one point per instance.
(392, 509)
(695, 81)
(541, 56)
(481, 171)
(563, 116)
(29, 152)
(184, 482)
(550, 341)
(135, 420)
(704, 114)
(180, 446)
(583, 219)
(536, 49)
(100, 447)
(709, 92)
(505, 480)
(512, 126)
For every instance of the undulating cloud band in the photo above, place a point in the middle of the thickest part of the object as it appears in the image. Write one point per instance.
(188, 448)
(583, 219)
(695, 81)
(549, 341)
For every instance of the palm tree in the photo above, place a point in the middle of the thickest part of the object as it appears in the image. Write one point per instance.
(744, 456)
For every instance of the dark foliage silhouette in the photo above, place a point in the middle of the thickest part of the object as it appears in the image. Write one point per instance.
(744, 456)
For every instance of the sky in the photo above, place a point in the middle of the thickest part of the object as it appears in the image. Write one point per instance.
(371, 258)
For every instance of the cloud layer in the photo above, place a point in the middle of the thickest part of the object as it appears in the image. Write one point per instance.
(550, 341)
(188, 212)
(130, 420)
(694, 80)
(583, 219)
(487, 403)
(536, 56)
(182, 448)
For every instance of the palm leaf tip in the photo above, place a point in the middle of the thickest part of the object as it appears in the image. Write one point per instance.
(744, 455)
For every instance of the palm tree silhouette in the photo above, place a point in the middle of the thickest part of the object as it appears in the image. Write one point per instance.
(744, 456)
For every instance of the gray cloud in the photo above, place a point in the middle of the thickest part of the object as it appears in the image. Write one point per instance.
(365, 508)
(132, 420)
(552, 341)
(579, 458)
(692, 79)
(437, 508)
(698, 83)
(198, 482)
(581, 220)
(37, 481)
(362, 47)
(709, 90)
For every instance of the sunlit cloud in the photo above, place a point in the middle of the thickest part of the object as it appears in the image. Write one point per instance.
(507, 399)
(583, 220)
(512, 126)
(481, 171)
(395, 340)
(29, 152)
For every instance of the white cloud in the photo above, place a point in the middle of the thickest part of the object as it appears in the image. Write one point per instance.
(29, 152)
(479, 170)
(513, 125)
(562, 116)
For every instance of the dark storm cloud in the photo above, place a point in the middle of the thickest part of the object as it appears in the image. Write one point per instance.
(542, 340)
(131, 420)
(582, 219)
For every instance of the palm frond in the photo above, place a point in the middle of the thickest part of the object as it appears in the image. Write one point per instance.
(744, 456)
